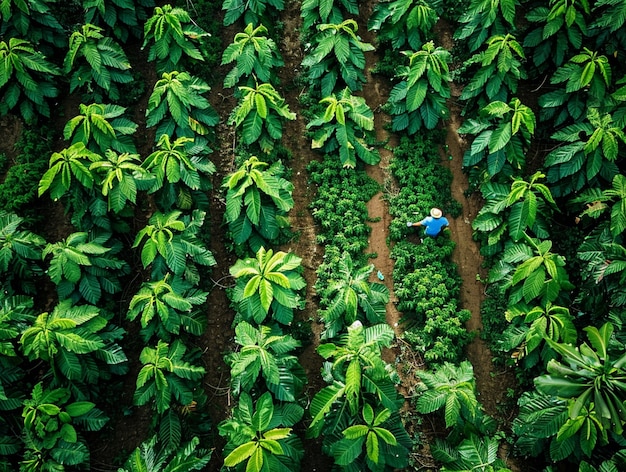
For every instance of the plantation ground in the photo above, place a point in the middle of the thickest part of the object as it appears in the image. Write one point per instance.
(125, 432)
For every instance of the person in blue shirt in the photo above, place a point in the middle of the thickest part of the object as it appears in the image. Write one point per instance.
(433, 224)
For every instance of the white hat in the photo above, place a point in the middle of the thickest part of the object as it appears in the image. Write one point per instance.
(436, 213)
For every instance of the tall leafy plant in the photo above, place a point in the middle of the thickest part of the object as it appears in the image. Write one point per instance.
(259, 114)
(258, 199)
(26, 80)
(403, 23)
(345, 125)
(419, 99)
(123, 17)
(268, 285)
(253, 11)
(316, 12)
(33, 21)
(485, 18)
(97, 62)
(337, 57)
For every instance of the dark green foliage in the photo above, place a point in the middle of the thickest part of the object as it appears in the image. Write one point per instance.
(151, 457)
(34, 21)
(315, 12)
(403, 22)
(122, 17)
(26, 80)
(485, 18)
(255, 12)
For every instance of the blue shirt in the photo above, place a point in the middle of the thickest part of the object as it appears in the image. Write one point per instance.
(434, 225)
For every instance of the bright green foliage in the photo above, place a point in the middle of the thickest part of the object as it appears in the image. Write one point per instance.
(587, 77)
(99, 63)
(502, 135)
(485, 18)
(260, 436)
(337, 58)
(169, 32)
(148, 457)
(120, 176)
(346, 124)
(531, 326)
(33, 21)
(19, 249)
(258, 199)
(268, 284)
(84, 265)
(358, 375)
(166, 376)
(352, 296)
(473, 454)
(123, 17)
(178, 107)
(404, 23)
(265, 354)
(500, 69)
(253, 11)
(258, 114)
(529, 271)
(253, 53)
(381, 446)
(522, 207)
(315, 12)
(166, 308)
(560, 29)
(592, 377)
(50, 435)
(182, 172)
(171, 243)
(452, 388)
(73, 339)
(419, 99)
(101, 127)
(26, 80)
(70, 166)
(587, 152)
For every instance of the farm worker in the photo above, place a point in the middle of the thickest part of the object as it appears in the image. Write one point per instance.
(433, 224)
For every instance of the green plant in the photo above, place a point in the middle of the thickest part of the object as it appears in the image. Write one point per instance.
(350, 296)
(101, 127)
(165, 308)
(84, 265)
(346, 124)
(253, 53)
(258, 199)
(99, 63)
(268, 284)
(560, 29)
(149, 458)
(500, 70)
(171, 243)
(26, 80)
(121, 175)
(177, 107)
(33, 21)
(403, 22)
(50, 435)
(337, 54)
(123, 17)
(314, 12)
(72, 339)
(485, 18)
(585, 155)
(171, 30)
(19, 249)
(164, 376)
(70, 163)
(383, 450)
(503, 133)
(260, 435)
(265, 354)
(182, 172)
(258, 115)
(587, 78)
(253, 11)
(358, 374)
(472, 454)
(419, 99)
